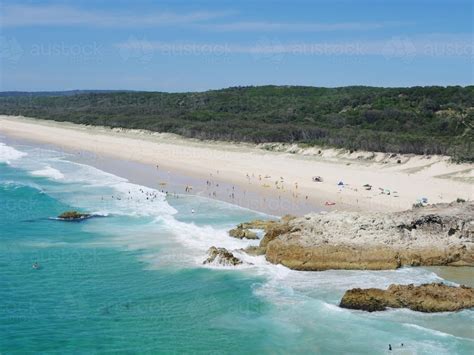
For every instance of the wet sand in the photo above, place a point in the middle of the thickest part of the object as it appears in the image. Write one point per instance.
(176, 183)
(351, 181)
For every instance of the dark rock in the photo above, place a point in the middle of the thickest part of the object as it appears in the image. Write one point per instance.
(73, 216)
(221, 256)
(435, 297)
(242, 233)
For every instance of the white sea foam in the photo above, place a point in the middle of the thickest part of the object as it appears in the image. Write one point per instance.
(135, 200)
(9, 154)
(297, 291)
(283, 283)
(122, 198)
(201, 238)
(87, 187)
(433, 331)
(18, 185)
(44, 245)
(48, 172)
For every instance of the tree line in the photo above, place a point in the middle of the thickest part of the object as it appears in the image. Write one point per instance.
(419, 120)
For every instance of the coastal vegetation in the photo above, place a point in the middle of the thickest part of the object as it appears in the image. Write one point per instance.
(420, 120)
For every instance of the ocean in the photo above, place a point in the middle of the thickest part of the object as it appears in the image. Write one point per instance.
(131, 279)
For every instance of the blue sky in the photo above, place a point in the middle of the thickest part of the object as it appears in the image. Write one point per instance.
(201, 45)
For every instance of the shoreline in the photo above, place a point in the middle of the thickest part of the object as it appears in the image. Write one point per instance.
(140, 174)
(174, 183)
(462, 275)
(278, 182)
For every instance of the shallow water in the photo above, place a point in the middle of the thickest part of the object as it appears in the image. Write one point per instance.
(132, 280)
(463, 275)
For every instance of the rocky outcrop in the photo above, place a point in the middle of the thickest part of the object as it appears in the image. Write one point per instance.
(271, 228)
(326, 257)
(257, 224)
(255, 250)
(73, 216)
(440, 234)
(435, 235)
(221, 256)
(276, 229)
(242, 233)
(424, 298)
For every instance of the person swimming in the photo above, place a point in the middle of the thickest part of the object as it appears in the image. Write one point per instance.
(36, 266)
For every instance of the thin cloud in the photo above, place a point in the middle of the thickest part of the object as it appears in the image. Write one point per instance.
(394, 47)
(57, 15)
(295, 27)
(60, 15)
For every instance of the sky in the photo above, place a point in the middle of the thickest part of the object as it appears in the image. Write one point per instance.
(179, 45)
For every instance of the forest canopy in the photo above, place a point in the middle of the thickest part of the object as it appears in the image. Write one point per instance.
(420, 120)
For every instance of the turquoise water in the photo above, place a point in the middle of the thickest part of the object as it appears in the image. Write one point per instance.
(131, 280)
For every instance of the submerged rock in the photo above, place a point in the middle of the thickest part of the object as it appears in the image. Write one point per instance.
(434, 297)
(221, 256)
(73, 216)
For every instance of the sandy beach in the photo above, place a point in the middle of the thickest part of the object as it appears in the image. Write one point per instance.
(277, 174)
